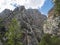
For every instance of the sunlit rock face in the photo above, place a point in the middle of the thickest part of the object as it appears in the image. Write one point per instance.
(31, 21)
(48, 23)
(51, 13)
(52, 24)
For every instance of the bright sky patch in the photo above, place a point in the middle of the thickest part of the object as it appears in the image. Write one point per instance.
(11, 4)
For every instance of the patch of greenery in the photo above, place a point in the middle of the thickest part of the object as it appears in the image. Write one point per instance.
(47, 39)
(14, 33)
(1, 26)
(57, 7)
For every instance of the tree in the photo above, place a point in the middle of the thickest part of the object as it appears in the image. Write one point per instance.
(14, 33)
(46, 40)
(57, 7)
(55, 40)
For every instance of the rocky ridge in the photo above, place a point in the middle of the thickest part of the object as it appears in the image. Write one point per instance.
(31, 21)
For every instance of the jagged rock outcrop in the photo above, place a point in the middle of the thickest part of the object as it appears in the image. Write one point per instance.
(51, 13)
(52, 24)
(31, 21)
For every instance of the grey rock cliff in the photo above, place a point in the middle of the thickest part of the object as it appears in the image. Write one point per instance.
(31, 21)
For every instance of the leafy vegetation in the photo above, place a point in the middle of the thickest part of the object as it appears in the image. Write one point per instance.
(57, 6)
(2, 29)
(14, 33)
(47, 39)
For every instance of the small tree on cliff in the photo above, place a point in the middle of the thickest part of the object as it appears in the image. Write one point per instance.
(14, 33)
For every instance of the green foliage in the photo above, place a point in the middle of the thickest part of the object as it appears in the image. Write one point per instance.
(1, 26)
(57, 6)
(14, 33)
(50, 40)
(55, 40)
(45, 40)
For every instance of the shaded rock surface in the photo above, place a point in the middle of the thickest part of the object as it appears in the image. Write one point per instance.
(31, 21)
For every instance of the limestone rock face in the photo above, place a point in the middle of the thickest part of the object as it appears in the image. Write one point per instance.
(31, 21)
(52, 25)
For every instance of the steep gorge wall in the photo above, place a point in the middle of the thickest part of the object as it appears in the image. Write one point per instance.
(31, 21)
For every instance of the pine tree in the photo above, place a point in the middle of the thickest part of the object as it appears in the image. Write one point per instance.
(14, 33)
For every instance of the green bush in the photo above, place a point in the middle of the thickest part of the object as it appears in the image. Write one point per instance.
(57, 7)
(55, 40)
(14, 33)
(47, 39)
